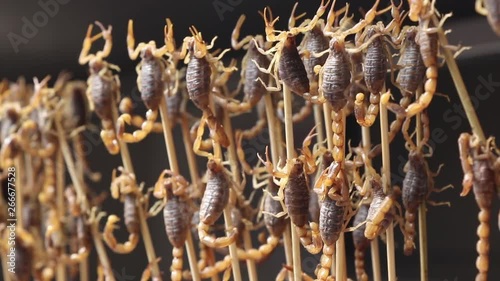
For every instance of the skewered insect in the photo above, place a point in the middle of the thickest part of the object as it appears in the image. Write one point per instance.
(418, 183)
(253, 90)
(150, 81)
(481, 174)
(215, 197)
(375, 69)
(331, 223)
(177, 215)
(201, 74)
(103, 90)
(294, 189)
(125, 188)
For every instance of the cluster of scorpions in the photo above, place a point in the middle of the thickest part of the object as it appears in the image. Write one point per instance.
(320, 194)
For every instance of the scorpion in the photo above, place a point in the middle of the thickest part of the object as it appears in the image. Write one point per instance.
(481, 168)
(201, 72)
(124, 187)
(376, 64)
(176, 214)
(294, 189)
(103, 90)
(150, 81)
(215, 197)
(418, 182)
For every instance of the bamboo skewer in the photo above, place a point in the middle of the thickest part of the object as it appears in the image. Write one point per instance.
(96, 235)
(274, 140)
(60, 269)
(374, 249)
(174, 166)
(84, 263)
(422, 215)
(233, 159)
(341, 270)
(228, 221)
(290, 154)
(386, 181)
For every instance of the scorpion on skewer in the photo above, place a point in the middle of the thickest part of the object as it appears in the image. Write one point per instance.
(481, 166)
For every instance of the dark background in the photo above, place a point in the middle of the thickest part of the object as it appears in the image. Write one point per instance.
(451, 231)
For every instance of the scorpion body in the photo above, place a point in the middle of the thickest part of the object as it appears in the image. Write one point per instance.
(291, 69)
(214, 200)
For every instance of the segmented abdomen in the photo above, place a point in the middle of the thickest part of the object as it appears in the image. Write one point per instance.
(152, 85)
(291, 68)
(253, 88)
(102, 92)
(275, 226)
(331, 220)
(415, 183)
(336, 78)
(177, 218)
(130, 214)
(297, 196)
(198, 81)
(412, 73)
(375, 66)
(215, 198)
(314, 42)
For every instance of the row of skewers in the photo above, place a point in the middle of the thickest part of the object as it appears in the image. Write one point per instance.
(308, 199)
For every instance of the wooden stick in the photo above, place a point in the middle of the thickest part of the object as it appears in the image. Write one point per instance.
(233, 159)
(228, 220)
(290, 154)
(377, 275)
(459, 84)
(60, 176)
(341, 266)
(386, 181)
(96, 235)
(84, 263)
(191, 157)
(84, 269)
(5, 271)
(422, 216)
(274, 140)
(318, 119)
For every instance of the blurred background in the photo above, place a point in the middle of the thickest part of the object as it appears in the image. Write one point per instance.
(53, 43)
